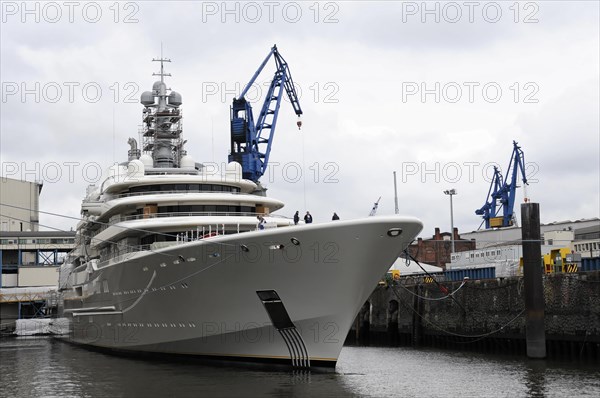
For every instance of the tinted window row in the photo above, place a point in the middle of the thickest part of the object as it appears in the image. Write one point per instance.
(184, 188)
(60, 241)
(202, 209)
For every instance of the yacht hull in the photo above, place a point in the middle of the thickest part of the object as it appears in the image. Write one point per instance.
(285, 295)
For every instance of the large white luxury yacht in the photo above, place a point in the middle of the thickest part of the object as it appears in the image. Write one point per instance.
(172, 258)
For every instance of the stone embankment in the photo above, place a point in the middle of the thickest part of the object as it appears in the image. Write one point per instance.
(486, 315)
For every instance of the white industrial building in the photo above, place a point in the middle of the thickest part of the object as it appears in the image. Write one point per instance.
(505, 258)
(501, 248)
(511, 235)
(20, 205)
(29, 258)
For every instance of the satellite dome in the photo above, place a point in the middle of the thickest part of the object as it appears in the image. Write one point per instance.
(233, 171)
(175, 99)
(187, 162)
(147, 98)
(135, 169)
(147, 160)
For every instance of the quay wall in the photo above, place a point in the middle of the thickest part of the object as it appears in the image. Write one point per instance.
(487, 314)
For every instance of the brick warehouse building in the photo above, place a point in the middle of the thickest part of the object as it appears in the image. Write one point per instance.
(437, 250)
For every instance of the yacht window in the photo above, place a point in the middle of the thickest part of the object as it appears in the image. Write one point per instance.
(194, 187)
(210, 208)
(148, 240)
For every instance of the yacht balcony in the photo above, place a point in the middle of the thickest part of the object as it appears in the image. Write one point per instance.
(196, 223)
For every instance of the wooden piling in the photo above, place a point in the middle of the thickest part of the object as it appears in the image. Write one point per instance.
(417, 338)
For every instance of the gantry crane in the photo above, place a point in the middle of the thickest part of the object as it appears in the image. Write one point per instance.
(251, 142)
(501, 195)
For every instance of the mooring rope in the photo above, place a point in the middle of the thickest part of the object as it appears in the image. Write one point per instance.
(476, 337)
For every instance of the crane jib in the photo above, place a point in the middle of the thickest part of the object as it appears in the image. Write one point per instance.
(502, 192)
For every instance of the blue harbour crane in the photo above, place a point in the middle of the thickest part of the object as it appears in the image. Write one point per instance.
(501, 195)
(251, 142)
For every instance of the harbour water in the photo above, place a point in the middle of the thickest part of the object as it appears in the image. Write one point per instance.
(45, 367)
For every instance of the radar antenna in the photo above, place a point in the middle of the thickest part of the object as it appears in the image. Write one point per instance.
(162, 60)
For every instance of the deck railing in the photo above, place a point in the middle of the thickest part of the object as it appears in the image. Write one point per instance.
(128, 194)
(185, 214)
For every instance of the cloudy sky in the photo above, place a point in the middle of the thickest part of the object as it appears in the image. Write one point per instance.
(435, 91)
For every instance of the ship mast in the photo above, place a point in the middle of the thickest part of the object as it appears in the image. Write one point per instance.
(162, 128)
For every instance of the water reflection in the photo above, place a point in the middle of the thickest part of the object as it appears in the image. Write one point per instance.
(43, 367)
(50, 368)
(535, 378)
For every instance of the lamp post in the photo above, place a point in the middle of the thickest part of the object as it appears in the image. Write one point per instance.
(451, 192)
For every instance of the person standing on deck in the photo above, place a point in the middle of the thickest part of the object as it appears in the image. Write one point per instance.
(261, 222)
(308, 218)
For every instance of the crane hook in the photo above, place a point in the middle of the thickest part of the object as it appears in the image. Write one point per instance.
(299, 123)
